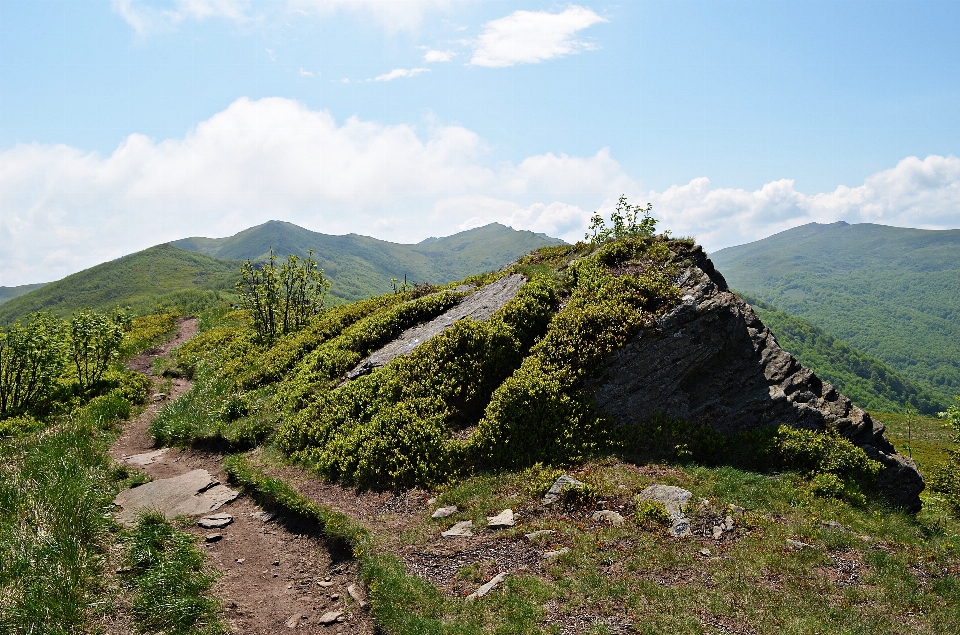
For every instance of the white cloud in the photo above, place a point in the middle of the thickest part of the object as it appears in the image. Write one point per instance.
(527, 37)
(146, 18)
(306, 73)
(438, 56)
(397, 73)
(65, 209)
(392, 15)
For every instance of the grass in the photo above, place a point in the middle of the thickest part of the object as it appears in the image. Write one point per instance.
(878, 571)
(56, 491)
(170, 583)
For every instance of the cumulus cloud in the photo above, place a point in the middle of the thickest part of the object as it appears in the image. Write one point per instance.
(398, 73)
(65, 209)
(528, 37)
(145, 18)
(438, 56)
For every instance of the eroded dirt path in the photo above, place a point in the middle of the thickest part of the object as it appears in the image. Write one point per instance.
(277, 575)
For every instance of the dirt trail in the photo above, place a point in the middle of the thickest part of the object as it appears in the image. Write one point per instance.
(276, 575)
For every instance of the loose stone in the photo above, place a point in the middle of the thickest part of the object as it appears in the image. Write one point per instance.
(534, 535)
(502, 520)
(550, 555)
(217, 521)
(489, 586)
(553, 494)
(443, 512)
(608, 516)
(213, 537)
(462, 528)
(330, 617)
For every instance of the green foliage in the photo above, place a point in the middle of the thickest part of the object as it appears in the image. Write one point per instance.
(55, 495)
(868, 382)
(650, 514)
(195, 415)
(31, 360)
(94, 343)
(281, 299)
(171, 587)
(627, 223)
(18, 426)
(890, 292)
(162, 277)
(393, 426)
(946, 479)
(146, 332)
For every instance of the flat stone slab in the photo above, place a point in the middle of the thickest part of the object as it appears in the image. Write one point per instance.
(479, 305)
(551, 555)
(533, 536)
(217, 521)
(502, 520)
(330, 617)
(147, 458)
(553, 494)
(192, 494)
(462, 528)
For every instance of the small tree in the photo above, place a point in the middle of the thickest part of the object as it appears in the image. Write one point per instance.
(946, 480)
(282, 299)
(628, 220)
(95, 341)
(31, 360)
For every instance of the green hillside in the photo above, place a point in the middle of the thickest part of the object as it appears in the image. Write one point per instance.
(891, 292)
(9, 293)
(360, 266)
(867, 381)
(162, 275)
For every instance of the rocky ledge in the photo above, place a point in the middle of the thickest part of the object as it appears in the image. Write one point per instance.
(711, 361)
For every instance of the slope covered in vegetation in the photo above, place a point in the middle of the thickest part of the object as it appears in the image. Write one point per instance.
(360, 266)
(891, 292)
(867, 381)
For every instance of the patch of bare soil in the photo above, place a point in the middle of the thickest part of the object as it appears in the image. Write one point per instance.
(277, 574)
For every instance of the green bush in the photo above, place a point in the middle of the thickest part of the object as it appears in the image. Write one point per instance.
(18, 426)
(822, 452)
(946, 480)
(651, 515)
(31, 361)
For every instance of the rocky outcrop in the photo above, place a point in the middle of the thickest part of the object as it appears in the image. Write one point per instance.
(712, 361)
(479, 305)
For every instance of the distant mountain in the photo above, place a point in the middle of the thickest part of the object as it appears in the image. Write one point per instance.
(360, 266)
(9, 293)
(193, 273)
(891, 292)
(867, 381)
(158, 276)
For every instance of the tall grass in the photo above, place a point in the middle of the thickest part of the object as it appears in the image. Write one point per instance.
(55, 502)
(169, 581)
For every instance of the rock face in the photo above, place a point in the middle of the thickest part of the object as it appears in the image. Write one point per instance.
(479, 305)
(711, 361)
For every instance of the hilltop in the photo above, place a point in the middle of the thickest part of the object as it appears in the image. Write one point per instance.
(890, 292)
(360, 266)
(193, 274)
(9, 293)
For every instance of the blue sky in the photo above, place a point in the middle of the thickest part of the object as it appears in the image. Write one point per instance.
(128, 123)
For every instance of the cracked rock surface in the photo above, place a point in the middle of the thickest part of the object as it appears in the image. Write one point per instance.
(711, 361)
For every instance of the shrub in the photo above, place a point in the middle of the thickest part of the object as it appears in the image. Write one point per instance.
(946, 480)
(94, 342)
(822, 452)
(31, 360)
(18, 426)
(651, 514)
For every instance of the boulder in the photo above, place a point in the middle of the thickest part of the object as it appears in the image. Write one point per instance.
(711, 361)
(553, 494)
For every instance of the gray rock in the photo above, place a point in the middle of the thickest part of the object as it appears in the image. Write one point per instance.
(533, 536)
(705, 552)
(717, 532)
(147, 458)
(191, 494)
(217, 521)
(711, 360)
(608, 516)
(160, 396)
(797, 545)
(263, 516)
(728, 523)
(479, 305)
(330, 617)
(213, 537)
(489, 586)
(551, 555)
(462, 528)
(680, 528)
(554, 492)
(293, 620)
(443, 512)
(502, 520)
(357, 595)
(675, 499)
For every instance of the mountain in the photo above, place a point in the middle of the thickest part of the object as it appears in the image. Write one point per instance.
(891, 292)
(360, 266)
(158, 276)
(192, 273)
(9, 293)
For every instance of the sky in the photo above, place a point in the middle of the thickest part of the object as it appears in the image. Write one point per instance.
(128, 123)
